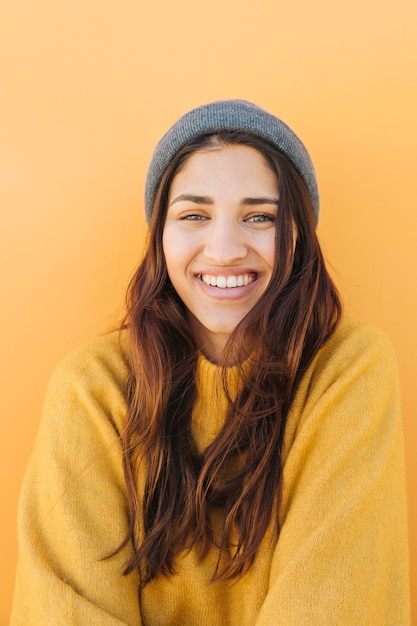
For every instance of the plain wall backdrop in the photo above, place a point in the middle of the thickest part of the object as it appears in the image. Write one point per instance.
(86, 90)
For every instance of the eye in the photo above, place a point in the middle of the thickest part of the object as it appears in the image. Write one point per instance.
(260, 218)
(192, 217)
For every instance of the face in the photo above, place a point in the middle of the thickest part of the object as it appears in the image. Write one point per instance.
(219, 238)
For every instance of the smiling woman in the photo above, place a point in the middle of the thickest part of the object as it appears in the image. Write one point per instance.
(233, 455)
(219, 246)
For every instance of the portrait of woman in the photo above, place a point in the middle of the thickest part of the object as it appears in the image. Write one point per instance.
(232, 455)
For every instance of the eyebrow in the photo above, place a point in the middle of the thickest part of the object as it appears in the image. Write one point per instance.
(208, 200)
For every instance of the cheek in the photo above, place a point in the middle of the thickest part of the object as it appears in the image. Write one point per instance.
(177, 254)
(166, 249)
(180, 249)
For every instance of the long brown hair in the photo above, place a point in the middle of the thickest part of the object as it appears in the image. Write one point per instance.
(294, 317)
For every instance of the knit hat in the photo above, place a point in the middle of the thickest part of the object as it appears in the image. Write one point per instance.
(229, 115)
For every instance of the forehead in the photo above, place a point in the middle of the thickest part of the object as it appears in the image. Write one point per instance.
(225, 167)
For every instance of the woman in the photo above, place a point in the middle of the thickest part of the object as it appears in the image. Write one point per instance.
(234, 454)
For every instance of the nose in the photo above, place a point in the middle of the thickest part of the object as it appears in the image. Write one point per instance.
(225, 243)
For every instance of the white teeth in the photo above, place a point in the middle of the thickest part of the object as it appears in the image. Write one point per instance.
(227, 282)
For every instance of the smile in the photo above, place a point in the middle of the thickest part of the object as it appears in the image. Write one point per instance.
(227, 282)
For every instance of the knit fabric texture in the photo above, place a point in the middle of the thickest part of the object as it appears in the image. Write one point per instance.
(230, 115)
(340, 556)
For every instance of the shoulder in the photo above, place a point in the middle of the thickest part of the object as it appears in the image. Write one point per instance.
(102, 358)
(91, 380)
(352, 331)
(354, 346)
(351, 384)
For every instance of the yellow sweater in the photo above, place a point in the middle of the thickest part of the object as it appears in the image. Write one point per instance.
(340, 559)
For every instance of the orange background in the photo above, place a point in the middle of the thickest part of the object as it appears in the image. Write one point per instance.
(87, 88)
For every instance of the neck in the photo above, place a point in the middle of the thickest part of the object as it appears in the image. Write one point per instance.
(212, 345)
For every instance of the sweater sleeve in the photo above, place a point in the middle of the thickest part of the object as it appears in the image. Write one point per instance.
(342, 555)
(73, 509)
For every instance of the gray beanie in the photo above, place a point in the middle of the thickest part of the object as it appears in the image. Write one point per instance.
(229, 115)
